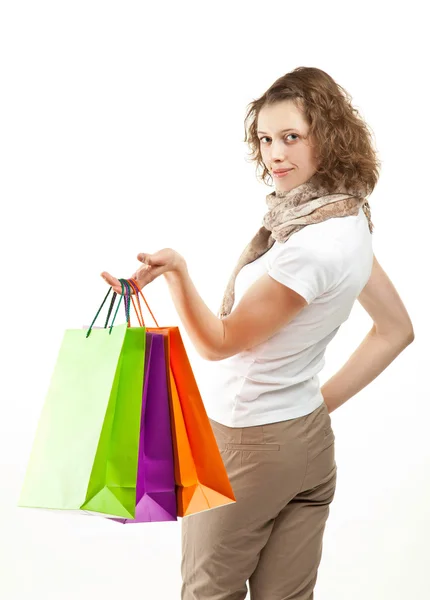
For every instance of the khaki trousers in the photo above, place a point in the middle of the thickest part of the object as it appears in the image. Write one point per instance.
(284, 479)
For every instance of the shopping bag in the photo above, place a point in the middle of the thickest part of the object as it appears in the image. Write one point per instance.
(85, 452)
(201, 479)
(155, 490)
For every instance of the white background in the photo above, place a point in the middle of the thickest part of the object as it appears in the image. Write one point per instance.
(122, 132)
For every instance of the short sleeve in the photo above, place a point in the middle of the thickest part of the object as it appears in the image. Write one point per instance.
(304, 270)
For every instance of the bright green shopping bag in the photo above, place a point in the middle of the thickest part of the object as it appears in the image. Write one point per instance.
(85, 452)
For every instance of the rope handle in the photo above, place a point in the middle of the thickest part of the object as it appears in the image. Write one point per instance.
(139, 313)
(138, 291)
(110, 310)
(127, 301)
(128, 283)
(138, 310)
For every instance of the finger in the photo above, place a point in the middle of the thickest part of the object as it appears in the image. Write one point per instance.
(144, 258)
(112, 281)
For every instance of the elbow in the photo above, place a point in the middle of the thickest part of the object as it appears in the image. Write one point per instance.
(402, 334)
(215, 350)
(212, 356)
(215, 354)
(408, 334)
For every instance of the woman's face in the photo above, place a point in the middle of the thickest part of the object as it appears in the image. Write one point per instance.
(281, 149)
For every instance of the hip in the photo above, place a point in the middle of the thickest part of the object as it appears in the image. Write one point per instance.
(298, 452)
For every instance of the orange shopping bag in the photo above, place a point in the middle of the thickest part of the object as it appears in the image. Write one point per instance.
(201, 479)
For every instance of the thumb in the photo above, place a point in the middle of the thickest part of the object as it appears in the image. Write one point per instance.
(144, 258)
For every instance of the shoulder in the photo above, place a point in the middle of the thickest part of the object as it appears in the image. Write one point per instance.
(329, 240)
(307, 245)
(307, 267)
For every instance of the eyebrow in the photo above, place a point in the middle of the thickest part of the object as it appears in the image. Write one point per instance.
(283, 131)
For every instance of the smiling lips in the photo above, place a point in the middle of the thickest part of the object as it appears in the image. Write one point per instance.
(281, 172)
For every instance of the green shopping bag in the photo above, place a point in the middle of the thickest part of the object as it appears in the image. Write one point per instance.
(85, 452)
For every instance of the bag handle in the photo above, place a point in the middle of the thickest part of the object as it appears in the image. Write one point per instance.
(114, 295)
(139, 313)
(128, 283)
(138, 291)
(133, 283)
(110, 310)
(127, 301)
(125, 283)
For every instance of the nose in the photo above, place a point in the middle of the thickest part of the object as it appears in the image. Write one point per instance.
(278, 152)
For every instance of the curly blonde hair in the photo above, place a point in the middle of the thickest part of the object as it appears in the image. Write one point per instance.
(342, 139)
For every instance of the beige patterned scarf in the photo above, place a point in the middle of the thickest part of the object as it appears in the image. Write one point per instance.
(290, 211)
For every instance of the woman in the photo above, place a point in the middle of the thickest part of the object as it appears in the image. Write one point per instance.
(284, 303)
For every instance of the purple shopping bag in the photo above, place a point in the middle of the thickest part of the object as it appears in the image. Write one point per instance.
(155, 487)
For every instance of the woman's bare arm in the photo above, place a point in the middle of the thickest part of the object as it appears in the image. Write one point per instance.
(391, 333)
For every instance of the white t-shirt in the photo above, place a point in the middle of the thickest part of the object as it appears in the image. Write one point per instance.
(327, 263)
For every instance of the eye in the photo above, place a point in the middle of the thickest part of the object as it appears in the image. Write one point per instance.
(266, 136)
